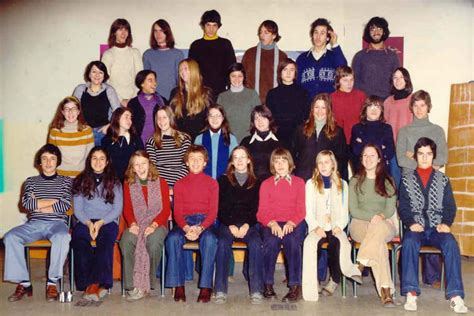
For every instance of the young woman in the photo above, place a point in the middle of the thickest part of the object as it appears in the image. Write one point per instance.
(122, 61)
(320, 132)
(168, 146)
(218, 141)
(190, 99)
(262, 140)
(288, 102)
(121, 140)
(238, 204)
(327, 214)
(145, 104)
(372, 129)
(261, 61)
(196, 197)
(281, 212)
(163, 58)
(98, 203)
(98, 99)
(238, 101)
(372, 203)
(70, 133)
(146, 209)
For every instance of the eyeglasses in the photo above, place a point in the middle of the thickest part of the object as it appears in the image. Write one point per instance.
(375, 28)
(71, 110)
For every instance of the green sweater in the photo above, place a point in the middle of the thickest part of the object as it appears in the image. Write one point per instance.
(238, 106)
(365, 205)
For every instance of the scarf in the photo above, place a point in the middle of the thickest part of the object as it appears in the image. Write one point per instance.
(400, 94)
(144, 214)
(222, 154)
(276, 55)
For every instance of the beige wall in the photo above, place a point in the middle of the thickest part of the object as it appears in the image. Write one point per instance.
(45, 46)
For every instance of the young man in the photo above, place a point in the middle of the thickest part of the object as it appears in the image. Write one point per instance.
(214, 54)
(374, 66)
(427, 210)
(195, 211)
(46, 197)
(317, 67)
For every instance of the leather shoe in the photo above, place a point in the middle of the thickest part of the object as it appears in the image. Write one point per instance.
(294, 294)
(51, 293)
(21, 291)
(269, 292)
(179, 294)
(204, 295)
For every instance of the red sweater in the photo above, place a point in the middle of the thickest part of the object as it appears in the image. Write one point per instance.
(162, 218)
(282, 202)
(346, 108)
(196, 194)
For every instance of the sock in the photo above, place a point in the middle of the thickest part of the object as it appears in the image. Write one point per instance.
(413, 293)
(25, 283)
(52, 281)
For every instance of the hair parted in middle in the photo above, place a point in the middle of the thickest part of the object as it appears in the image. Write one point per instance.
(130, 174)
(281, 153)
(317, 178)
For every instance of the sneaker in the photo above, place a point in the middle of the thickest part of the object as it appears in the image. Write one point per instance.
(102, 292)
(220, 298)
(256, 298)
(330, 288)
(457, 304)
(91, 293)
(410, 304)
(136, 295)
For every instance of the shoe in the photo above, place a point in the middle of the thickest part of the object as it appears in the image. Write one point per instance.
(256, 298)
(220, 298)
(136, 294)
(102, 292)
(269, 292)
(179, 294)
(91, 293)
(330, 288)
(386, 297)
(51, 293)
(293, 295)
(204, 295)
(21, 291)
(457, 304)
(410, 304)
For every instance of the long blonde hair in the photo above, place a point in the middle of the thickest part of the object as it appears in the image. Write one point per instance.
(178, 136)
(317, 178)
(330, 129)
(196, 97)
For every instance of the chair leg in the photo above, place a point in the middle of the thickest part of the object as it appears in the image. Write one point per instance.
(71, 271)
(28, 263)
(354, 259)
(394, 260)
(344, 281)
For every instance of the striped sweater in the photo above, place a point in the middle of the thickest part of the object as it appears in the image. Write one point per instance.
(43, 187)
(74, 146)
(169, 159)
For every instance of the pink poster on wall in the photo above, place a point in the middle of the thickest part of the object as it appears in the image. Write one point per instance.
(102, 49)
(393, 43)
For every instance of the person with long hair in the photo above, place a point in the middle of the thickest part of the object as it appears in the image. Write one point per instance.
(281, 212)
(163, 58)
(238, 205)
(122, 60)
(218, 141)
(146, 209)
(262, 140)
(190, 99)
(70, 133)
(98, 99)
(145, 104)
(327, 215)
(289, 102)
(98, 204)
(320, 132)
(372, 203)
(238, 101)
(121, 140)
(168, 146)
(372, 129)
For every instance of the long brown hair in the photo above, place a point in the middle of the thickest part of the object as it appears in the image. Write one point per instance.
(225, 128)
(130, 175)
(117, 25)
(252, 178)
(317, 178)
(178, 136)
(58, 120)
(164, 25)
(196, 97)
(371, 100)
(381, 175)
(330, 129)
(114, 128)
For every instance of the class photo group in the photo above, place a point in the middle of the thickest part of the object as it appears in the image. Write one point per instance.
(282, 155)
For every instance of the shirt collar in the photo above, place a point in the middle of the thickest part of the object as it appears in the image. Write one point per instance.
(269, 136)
(277, 178)
(217, 133)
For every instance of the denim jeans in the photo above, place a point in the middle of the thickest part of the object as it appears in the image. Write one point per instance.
(176, 265)
(98, 135)
(292, 249)
(412, 242)
(254, 250)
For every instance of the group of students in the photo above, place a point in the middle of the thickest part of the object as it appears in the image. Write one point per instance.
(169, 149)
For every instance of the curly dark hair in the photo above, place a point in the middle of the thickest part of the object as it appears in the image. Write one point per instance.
(378, 22)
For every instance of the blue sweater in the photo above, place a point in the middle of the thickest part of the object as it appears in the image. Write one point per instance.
(317, 76)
